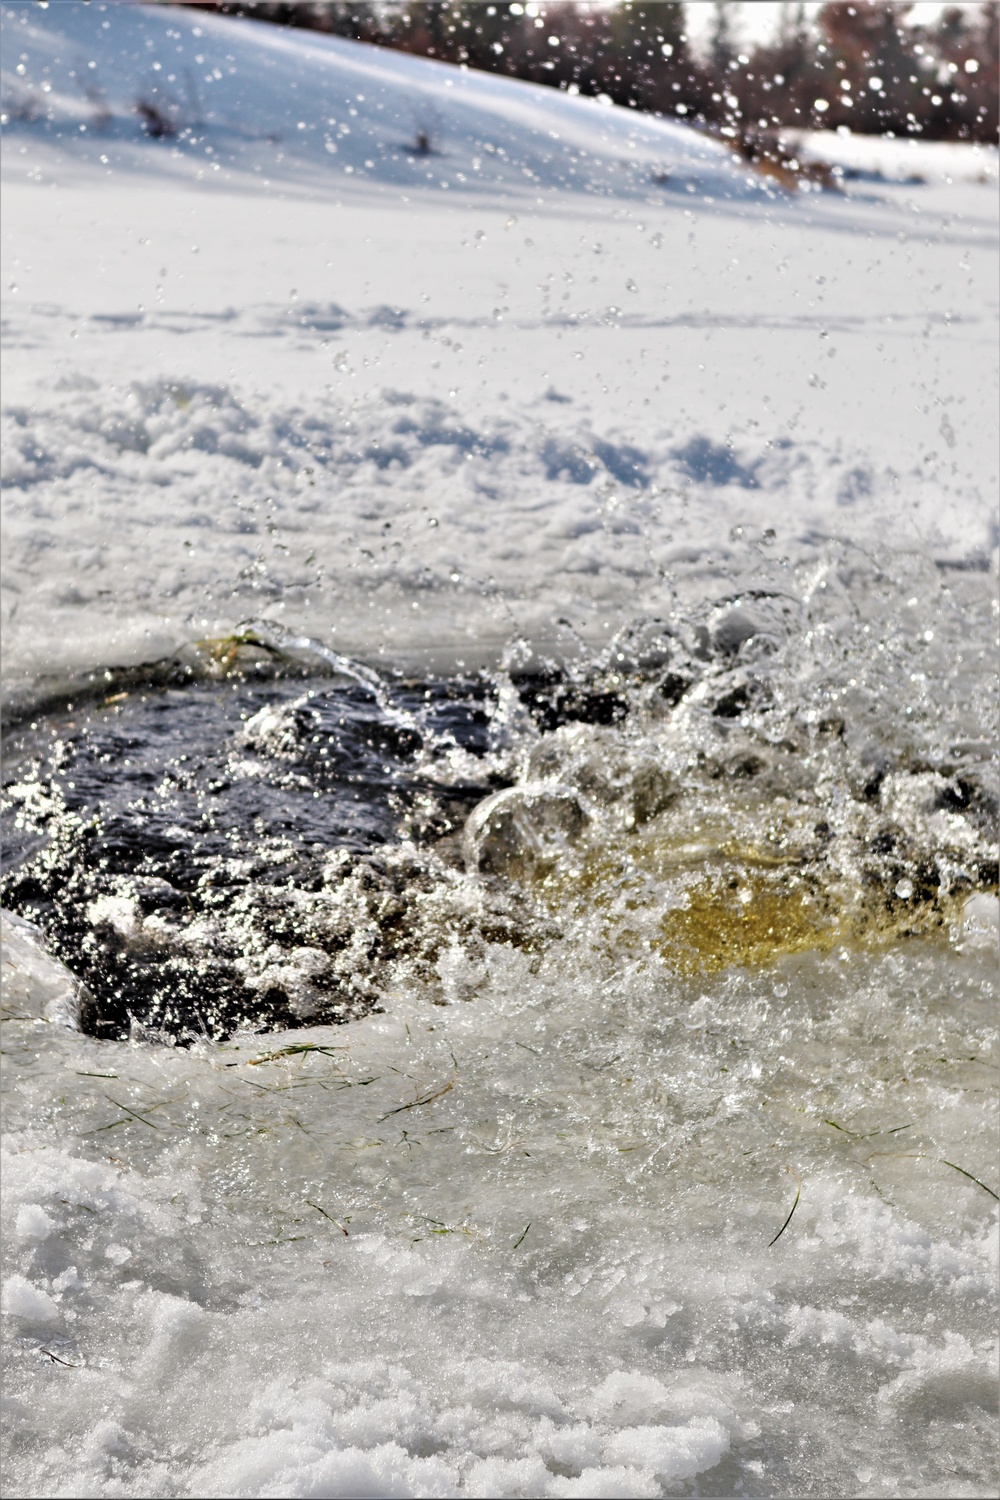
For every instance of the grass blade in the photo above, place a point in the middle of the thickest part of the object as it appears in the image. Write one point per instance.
(327, 1216)
(427, 1099)
(794, 1206)
(295, 1050)
(922, 1156)
(969, 1175)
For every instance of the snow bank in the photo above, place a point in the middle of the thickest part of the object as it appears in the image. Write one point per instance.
(412, 429)
(911, 161)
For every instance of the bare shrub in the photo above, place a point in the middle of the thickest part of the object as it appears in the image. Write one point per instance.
(768, 154)
(156, 122)
(24, 108)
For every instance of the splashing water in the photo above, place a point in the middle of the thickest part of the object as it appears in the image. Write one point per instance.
(786, 769)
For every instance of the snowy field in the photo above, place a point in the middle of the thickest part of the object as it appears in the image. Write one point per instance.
(912, 162)
(451, 374)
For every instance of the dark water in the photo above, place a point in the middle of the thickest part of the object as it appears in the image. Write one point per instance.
(164, 799)
(199, 801)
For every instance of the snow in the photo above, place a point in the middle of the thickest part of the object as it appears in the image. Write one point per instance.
(291, 104)
(641, 1332)
(910, 161)
(573, 384)
(420, 409)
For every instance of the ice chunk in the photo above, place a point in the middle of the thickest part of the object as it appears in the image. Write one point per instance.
(35, 983)
(671, 1452)
(32, 1222)
(22, 1299)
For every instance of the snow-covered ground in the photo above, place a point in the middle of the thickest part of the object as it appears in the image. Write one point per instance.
(569, 369)
(293, 364)
(888, 159)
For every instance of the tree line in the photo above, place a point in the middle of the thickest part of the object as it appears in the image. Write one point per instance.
(866, 66)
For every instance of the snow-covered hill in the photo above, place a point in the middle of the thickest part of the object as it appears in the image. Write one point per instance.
(316, 111)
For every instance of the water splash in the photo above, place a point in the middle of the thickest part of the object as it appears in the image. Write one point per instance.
(799, 762)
